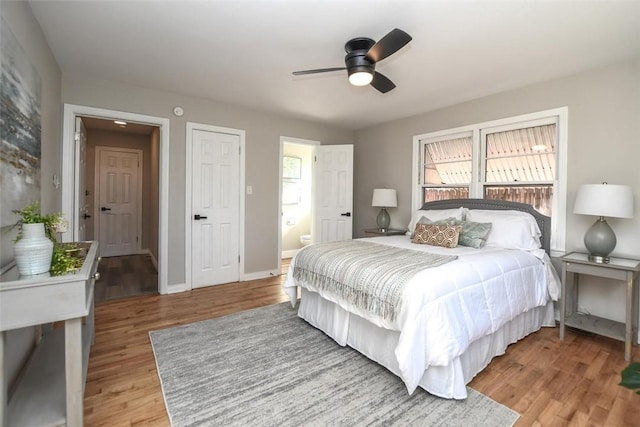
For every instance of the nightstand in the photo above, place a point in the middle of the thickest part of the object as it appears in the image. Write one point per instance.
(573, 265)
(372, 232)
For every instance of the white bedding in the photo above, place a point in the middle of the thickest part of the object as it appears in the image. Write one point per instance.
(446, 308)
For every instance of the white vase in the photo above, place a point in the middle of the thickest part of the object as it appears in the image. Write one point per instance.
(33, 251)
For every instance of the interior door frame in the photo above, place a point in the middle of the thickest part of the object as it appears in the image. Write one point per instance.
(300, 141)
(96, 200)
(192, 126)
(70, 176)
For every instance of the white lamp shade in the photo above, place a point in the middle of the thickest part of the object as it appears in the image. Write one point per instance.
(614, 201)
(384, 198)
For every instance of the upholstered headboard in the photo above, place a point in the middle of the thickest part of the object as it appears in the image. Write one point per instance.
(544, 222)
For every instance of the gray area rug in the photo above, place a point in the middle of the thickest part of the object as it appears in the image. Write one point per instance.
(267, 367)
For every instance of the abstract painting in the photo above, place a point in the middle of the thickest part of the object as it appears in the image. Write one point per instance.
(20, 128)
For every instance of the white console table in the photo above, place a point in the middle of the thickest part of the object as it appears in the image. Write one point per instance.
(60, 360)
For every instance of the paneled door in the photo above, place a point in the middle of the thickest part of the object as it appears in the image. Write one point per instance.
(118, 211)
(215, 208)
(333, 218)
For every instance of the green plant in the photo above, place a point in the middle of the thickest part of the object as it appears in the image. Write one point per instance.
(64, 259)
(31, 214)
(631, 377)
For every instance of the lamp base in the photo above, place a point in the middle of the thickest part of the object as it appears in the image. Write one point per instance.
(600, 240)
(383, 220)
(599, 259)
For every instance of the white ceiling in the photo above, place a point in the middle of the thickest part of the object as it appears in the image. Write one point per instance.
(243, 52)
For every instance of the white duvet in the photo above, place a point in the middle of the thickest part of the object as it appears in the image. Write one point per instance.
(446, 308)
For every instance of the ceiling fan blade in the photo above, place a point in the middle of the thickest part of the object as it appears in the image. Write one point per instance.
(382, 83)
(319, 70)
(389, 44)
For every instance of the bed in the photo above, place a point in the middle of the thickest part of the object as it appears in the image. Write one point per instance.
(434, 327)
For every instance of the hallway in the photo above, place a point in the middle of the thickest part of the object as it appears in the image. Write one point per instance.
(126, 276)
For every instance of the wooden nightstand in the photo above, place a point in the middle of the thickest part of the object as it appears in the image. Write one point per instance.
(372, 232)
(628, 270)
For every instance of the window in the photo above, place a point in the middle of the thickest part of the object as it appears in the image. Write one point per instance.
(514, 159)
(520, 165)
(447, 168)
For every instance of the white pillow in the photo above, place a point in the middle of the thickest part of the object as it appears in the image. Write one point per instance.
(510, 230)
(435, 215)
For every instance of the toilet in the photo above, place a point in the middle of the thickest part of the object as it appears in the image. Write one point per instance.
(305, 239)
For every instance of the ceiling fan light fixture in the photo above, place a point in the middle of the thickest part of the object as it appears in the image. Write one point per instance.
(360, 78)
(362, 55)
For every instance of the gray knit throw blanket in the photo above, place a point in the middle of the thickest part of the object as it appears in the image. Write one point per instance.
(367, 275)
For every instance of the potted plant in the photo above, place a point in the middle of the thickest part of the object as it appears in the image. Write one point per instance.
(631, 377)
(34, 244)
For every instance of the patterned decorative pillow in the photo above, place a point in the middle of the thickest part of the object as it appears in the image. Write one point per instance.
(473, 234)
(445, 235)
(427, 221)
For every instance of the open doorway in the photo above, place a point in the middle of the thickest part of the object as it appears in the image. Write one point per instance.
(81, 206)
(296, 194)
(120, 197)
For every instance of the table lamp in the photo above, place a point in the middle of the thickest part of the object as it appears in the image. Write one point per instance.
(602, 200)
(384, 198)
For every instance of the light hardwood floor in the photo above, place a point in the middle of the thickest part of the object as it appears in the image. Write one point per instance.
(550, 383)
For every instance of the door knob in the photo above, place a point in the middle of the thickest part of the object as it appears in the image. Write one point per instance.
(197, 217)
(86, 216)
(346, 214)
(105, 209)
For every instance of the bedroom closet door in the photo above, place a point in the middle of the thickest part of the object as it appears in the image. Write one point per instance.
(333, 218)
(215, 207)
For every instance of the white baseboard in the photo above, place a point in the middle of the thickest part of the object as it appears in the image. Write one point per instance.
(182, 287)
(177, 287)
(259, 275)
(290, 253)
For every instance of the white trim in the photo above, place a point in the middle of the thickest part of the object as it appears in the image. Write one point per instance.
(300, 141)
(260, 275)
(177, 288)
(559, 216)
(288, 254)
(416, 161)
(70, 173)
(559, 227)
(191, 126)
(96, 200)
(494, 123)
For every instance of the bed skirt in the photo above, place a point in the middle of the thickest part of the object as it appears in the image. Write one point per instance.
(378, 344)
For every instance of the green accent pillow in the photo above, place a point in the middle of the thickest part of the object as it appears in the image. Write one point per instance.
(427, 221)
(473, 234)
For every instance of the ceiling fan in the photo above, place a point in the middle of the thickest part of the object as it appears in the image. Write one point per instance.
(362, 55)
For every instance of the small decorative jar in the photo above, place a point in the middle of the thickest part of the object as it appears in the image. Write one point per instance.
(33, 251)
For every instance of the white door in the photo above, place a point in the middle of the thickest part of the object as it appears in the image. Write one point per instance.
(333, 218)
(215, 208)
(119, 195)
(82, 208)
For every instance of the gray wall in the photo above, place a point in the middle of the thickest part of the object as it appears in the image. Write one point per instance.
(604, 133)
(263, 133)
(18, 17)
(603, 145)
